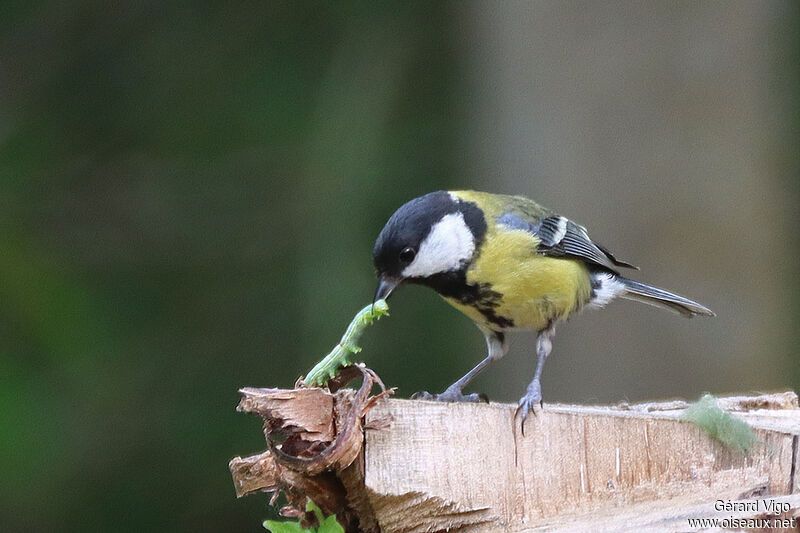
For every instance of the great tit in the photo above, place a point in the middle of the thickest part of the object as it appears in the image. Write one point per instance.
(508, 264)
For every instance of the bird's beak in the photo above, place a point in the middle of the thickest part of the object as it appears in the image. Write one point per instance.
(385, 288)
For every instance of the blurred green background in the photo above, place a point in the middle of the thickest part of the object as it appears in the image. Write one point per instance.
(190, 194)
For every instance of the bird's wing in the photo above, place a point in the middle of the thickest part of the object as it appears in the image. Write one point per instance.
(560, 237)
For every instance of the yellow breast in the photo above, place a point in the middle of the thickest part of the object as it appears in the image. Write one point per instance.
(534, 289)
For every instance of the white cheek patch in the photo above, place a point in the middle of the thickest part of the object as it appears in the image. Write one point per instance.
(449, 244)
(607, 288)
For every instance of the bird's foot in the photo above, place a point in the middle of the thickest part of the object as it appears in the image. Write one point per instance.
(531, 402)
(451, 394)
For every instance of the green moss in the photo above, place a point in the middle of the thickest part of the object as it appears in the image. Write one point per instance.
(719, 424)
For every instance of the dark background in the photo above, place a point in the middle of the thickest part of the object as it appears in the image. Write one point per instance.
(190, 194)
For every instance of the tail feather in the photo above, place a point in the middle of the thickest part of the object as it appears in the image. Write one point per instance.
(648, 294)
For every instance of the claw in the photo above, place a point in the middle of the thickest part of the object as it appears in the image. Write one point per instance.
(529, 403)
(450, 395)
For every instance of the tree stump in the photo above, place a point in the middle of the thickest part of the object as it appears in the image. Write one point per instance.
(419, 466)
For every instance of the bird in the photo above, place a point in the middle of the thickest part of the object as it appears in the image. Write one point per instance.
(509, 264)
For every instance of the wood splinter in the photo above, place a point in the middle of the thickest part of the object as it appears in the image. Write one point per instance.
(346, 446)
(323, 435)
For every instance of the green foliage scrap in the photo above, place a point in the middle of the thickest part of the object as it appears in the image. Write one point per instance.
(719, 424)
(340, 355)
(326, 525)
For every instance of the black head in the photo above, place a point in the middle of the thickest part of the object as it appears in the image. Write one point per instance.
(427, 236)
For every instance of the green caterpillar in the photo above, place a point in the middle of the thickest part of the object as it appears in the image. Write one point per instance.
(339, 356)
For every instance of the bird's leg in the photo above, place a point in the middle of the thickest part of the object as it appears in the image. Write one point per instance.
(533, 395)
(496, 348)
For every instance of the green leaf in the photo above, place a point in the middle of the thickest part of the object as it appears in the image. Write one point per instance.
(312, 507)
(284, 527)
(330, 525)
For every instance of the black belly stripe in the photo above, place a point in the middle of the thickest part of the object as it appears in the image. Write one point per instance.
(480, 296)
(494, 318)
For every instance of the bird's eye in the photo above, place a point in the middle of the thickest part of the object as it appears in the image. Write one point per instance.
(407, 255)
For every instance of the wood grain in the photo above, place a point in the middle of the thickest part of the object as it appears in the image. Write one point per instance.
(428, 466)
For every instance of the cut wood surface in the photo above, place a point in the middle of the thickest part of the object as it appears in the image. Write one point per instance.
(428, 466)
